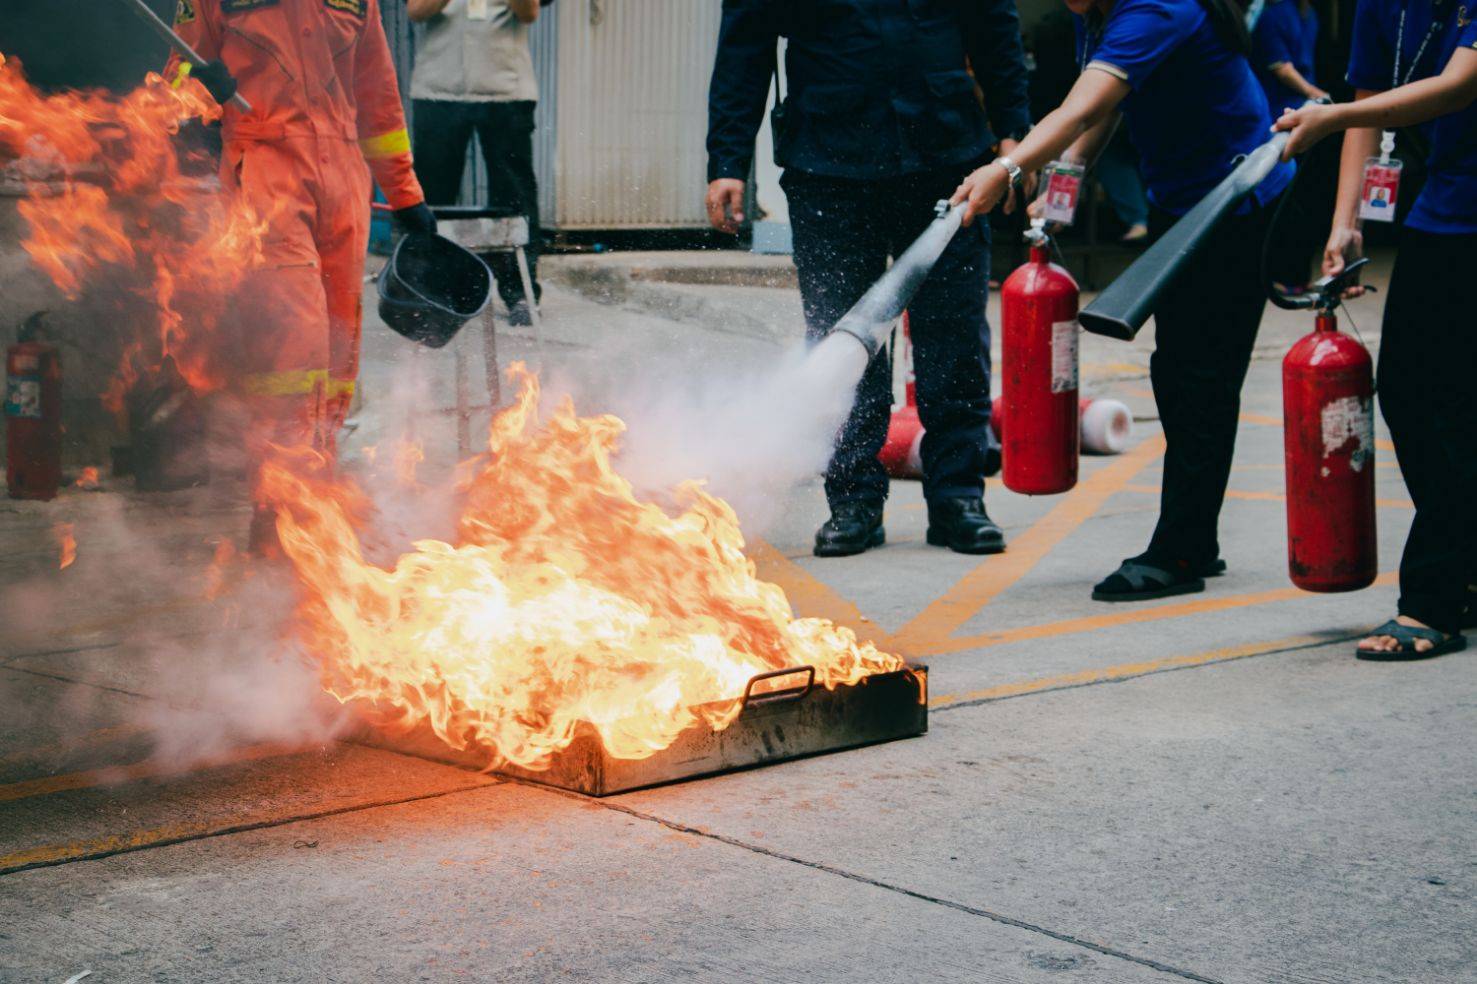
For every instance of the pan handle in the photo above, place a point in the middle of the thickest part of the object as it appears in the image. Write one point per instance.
(774, 696)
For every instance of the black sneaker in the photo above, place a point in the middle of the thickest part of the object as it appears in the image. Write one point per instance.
(852, 528)
(964, 527)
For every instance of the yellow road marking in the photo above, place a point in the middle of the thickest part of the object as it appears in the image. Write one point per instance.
(994, 575)
(1125, 671)
(1269, 496)
(1130, 616)
(112, 775)
(809, 596)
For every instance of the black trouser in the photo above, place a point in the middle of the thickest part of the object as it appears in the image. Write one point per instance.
(1428, 353)
(443, 129)
(844, 232)
(1205, 325)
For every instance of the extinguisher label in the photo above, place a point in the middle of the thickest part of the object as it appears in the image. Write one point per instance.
(23, 397)
(1348, 427)
(1064, 356)
(1063, 185)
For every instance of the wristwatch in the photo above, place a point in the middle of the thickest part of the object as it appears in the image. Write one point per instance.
(1011, 168)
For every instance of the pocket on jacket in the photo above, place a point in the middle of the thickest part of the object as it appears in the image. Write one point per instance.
(834, 123)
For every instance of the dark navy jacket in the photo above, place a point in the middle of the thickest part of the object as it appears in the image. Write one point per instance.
(875, 88)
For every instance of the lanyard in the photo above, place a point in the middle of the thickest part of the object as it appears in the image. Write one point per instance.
(1438, 22)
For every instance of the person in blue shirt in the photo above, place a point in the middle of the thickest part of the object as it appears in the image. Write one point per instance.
(1178, 72)
(1414, 63)
(1282, 47)
(879, 121)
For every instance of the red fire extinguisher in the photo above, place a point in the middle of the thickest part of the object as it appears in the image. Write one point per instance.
(1328, 437)
(1038, 346)
(33, 415)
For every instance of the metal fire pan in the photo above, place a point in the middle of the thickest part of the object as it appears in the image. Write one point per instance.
(794, 722)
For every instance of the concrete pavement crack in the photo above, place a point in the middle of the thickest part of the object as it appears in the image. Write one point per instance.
(991, 915)
(241, 828)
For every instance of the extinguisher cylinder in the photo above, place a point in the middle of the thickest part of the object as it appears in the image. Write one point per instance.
(1328, 441)
(1038, 346)
(33, 420)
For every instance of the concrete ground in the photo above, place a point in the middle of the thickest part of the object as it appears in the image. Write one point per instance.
(1204, 788)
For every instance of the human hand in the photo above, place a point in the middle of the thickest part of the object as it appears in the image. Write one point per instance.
(416, 218)
(1029, 179)
(1307, 125)
(1344, 244)
(725, 203)
(217, 79)
(981, 191)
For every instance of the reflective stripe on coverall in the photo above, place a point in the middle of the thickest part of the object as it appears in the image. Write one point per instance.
(321, 83)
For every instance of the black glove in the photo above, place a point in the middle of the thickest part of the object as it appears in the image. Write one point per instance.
(217, 79)
(416, 218)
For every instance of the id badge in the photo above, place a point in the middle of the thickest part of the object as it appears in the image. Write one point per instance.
(1380, 190)
(478, 10)
(1063, 185)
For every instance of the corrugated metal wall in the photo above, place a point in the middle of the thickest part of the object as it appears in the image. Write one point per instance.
(623, 109)
(631, 112)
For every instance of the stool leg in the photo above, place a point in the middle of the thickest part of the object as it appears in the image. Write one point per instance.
(463, 408)
(489, 357)
(533, 313)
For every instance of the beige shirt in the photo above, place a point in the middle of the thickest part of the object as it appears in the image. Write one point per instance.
(474, 51)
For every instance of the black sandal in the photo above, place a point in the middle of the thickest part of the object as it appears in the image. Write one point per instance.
(1406, 636)
(1139, 580)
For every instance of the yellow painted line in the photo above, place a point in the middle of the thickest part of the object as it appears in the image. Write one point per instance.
(1270, 496)
(1096, 369)
(996, 574)
(1261, 418)
(1124, 616)
(113, 775)
(1126, 671)
(808, 594)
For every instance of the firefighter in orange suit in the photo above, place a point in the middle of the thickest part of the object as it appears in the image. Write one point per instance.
(324, 100)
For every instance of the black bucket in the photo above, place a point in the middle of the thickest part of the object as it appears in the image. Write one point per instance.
(431, 287)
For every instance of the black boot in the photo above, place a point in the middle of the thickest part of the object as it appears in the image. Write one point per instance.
(852, 528)
(964, 527)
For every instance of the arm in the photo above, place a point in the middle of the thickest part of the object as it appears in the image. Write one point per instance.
(1407, 105)
(736, 97)
(1088, 108)
(1293, 79)
(381, 119)
(1345, 241)
(525, 10)
(423, 10)
(195, 21)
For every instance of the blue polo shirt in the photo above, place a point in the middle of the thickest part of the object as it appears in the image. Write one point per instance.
(1284, 34)
(1448, 201)
(1196, 107)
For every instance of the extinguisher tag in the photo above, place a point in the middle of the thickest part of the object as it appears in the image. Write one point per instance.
(1063, 185)
(23, 397)
(1348, 425)
(1380, 190)
(1064, 355)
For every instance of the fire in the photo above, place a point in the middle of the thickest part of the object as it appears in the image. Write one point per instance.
(110, 206)
(67, 542)
(88, 479)
(564, 600)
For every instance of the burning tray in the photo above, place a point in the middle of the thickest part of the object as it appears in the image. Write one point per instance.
(795, 721)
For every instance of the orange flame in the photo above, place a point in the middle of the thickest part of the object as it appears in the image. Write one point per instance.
(87, 479)
(564, 600)
(67, 542)
(107, 195)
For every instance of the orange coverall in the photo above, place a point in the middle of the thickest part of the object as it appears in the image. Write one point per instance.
(324, 98)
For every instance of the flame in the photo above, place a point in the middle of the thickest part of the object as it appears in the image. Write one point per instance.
(87, 479)
(565, 601)
(108, 202)
(67, 542)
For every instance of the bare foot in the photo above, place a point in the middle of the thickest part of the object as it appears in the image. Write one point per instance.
(1389, 644)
